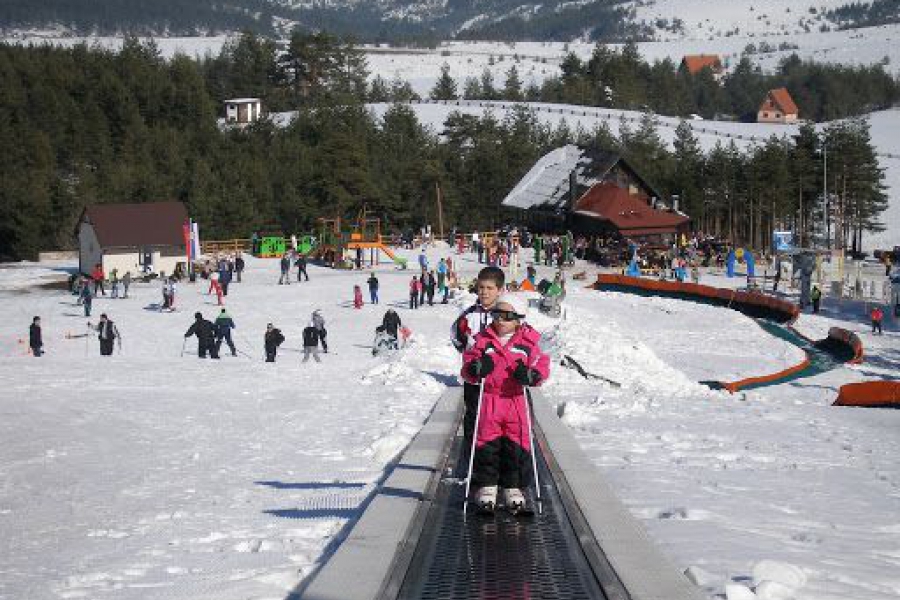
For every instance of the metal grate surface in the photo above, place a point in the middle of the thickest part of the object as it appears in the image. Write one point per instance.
(498, 557)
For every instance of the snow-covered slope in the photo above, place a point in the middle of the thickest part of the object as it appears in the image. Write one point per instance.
(151, 475)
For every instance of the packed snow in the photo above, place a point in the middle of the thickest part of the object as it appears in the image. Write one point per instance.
(155, 475)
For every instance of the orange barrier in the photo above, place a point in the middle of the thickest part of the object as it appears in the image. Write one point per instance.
(878, 394)
(737, 385)
(848, 339)
(751, 303)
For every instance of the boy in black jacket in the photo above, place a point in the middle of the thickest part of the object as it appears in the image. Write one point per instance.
(311, 343)
(273, 339)
(35, 341)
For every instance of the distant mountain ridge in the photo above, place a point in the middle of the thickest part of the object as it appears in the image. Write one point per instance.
(425, 21)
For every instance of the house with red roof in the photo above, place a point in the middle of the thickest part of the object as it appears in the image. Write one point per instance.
(140, 238)
(694, 63)
(630, 213)
(778, 107)
(592, 191)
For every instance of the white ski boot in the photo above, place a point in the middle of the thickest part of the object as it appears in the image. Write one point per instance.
(487, 498)
(514, 499)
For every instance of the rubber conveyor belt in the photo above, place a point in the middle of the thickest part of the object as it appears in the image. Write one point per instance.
(411, 540)
(499, 556)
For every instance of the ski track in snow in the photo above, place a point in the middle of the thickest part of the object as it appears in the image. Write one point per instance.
(151, 475)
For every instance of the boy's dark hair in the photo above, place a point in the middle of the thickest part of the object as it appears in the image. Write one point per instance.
(494, 274)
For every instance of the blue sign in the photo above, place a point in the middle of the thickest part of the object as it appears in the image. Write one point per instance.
(782, 241)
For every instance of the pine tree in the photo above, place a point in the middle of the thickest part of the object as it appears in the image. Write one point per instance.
(488, 91)
(472, 89)
(378, 90)
(687, 180)
(512, 90)
(445, 87)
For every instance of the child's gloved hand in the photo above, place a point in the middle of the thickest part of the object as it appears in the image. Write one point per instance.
(481, 367)
(526, 376)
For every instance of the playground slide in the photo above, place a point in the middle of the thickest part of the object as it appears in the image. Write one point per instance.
(390, 254)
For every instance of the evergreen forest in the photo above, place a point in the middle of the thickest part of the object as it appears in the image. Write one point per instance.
(87, 125)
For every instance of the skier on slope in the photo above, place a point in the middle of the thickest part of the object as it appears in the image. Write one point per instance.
(311, 337)
(318, 321)
(107, 333)
(272, 339)
(224, 324)
(35, 340)
(204, 330)
(506, 357)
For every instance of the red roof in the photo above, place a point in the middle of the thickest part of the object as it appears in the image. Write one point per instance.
(629, 213)
(696, 62)
(780, 99)
(145, 224)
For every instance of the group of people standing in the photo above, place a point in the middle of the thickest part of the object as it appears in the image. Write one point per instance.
(290, 259)
(423, 287)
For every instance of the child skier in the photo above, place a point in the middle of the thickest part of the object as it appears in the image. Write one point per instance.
(357, 297)
(35, 340)
(271, 341)
(311, 342)
(505, 357)
(414, 292)
(471, 322)
(373, 288)
(318, 322)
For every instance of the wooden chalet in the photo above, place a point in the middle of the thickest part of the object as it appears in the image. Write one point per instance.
(594, 192)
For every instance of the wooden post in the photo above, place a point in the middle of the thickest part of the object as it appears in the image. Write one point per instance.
(440, 210)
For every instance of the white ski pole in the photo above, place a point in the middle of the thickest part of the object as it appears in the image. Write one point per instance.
(183, 344)
(531, 441)
(472, 448)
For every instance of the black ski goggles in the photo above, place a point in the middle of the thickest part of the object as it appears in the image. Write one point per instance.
(506, 315)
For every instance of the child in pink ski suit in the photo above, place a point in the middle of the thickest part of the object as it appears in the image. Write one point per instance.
(357, 297)
(507, 357)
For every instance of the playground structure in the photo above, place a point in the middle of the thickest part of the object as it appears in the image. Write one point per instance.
(344, 249)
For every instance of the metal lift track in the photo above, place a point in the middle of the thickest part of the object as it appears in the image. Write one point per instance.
(502, 556)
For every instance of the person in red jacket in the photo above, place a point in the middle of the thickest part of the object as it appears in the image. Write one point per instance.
(506, 357)
(877, 317)
(98, 276)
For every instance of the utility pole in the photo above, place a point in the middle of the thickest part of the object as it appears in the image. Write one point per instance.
(440, 209)
(825, 194)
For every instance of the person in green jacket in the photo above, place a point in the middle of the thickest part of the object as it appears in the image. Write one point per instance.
(815, 296)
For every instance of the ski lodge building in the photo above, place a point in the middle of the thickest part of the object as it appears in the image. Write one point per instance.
(140, 238)
(778, 107)
(591, 191)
